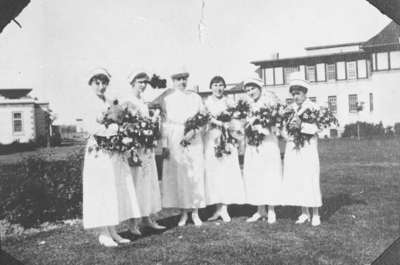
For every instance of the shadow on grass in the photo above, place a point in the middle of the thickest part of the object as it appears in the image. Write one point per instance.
(6, 258)
(169, 223)
(329, 207)
(332, 204)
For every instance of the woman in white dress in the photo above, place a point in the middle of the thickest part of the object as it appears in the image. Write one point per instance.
(109, 195)
(301, 186)
(183, 167)
(145, 177)
(262, 173)
(223, 178)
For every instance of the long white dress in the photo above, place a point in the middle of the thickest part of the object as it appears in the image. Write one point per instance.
(109, 196)
(301, 185)
(183, 171)
(223, 178)
(146, 177)
(262, 172)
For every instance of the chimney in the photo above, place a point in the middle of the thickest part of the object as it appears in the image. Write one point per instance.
(275, 56)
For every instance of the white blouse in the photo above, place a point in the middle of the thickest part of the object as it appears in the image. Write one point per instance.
(181, 105)
(217, 105)
(137, 105)
(95, 107)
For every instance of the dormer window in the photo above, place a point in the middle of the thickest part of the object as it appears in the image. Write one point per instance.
(310, 73)
(351, 70)
(331, 71)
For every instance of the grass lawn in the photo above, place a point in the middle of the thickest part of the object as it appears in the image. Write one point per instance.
(360, 218)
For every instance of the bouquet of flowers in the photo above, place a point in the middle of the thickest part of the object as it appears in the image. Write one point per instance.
(139, 132)
(192, 125)
(302, 127)
(240, 110)
(237, 112)
(111, 138)
(270, 116)
(126, 133)
(225, 141)
(262, 121)
(143, 130)
(115, 114)
(155, 111)
(254, 136)
(224, 116)
(326, 119)
(223, 146)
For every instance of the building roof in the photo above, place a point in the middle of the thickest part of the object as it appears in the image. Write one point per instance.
(333, 46)
(388, 36)
(389, 7)
(312, 59)
(387, 39)
(14, 93)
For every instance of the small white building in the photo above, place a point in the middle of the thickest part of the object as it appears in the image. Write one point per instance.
(23, 118)
(344, 76)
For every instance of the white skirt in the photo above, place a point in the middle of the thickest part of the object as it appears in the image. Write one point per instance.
(262, 173)
(146, 184)
(183, 172)
(301, 185)
(223, 177)
(109, 195)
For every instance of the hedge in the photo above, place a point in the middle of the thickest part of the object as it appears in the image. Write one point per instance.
(37, 190)
(370, 130)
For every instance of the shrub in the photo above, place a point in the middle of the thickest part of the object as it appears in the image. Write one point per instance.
(39, 190)
(397, 128)
(389, 131)
(366, 129)
(16, 146)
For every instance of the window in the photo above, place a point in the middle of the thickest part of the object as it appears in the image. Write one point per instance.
(310, 73)
(382, 61)
(332, 103)
(269, 76)
(17, 122)
(351, 70)
(353, 103)
(278, 75)
(341, 70)
(313, 99)
(321, 72)
(371, 102)
(362, 69)
(288, 71)
(395, 60)
(289, 101)
(331, 71)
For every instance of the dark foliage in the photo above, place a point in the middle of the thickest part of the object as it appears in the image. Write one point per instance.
(40, 190)
(368, 130)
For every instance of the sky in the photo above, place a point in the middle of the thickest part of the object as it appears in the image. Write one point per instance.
(61, 42)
